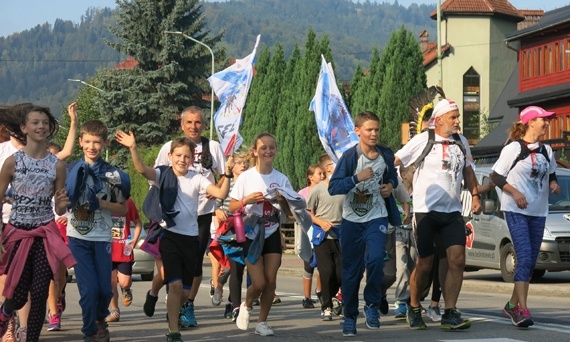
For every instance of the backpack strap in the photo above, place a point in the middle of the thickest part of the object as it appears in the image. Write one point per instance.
(427, 148)
(206, 161)
(525, 152)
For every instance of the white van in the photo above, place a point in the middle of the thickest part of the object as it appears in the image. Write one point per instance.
(490, 244)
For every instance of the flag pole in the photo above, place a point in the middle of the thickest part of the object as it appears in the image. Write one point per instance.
(213, 62)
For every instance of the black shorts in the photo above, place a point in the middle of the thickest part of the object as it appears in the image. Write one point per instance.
(272, 244)
(204, 223)
(125, 268)
(437, 230)
(179, 254)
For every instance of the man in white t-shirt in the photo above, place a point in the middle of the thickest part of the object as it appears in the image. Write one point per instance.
(437, 209)
(208, 159)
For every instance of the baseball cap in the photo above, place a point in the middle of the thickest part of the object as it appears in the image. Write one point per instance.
(533, 112)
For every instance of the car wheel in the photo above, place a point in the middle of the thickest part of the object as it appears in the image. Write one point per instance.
(537, 274)
(508, 262)
(147, 276)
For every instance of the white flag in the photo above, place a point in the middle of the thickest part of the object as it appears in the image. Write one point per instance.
(231, 85)
(334, 123)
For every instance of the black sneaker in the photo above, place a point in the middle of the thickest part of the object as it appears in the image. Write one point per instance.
(149, 304)
(452, 321)
(415, 319)
(383, 305)
(308, 304)
(174, 337)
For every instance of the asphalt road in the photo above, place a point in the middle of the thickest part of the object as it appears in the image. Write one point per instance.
(481, 300)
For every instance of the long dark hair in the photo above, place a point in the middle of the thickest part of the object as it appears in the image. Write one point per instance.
(14, 116)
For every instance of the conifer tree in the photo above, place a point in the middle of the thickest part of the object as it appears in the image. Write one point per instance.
(171, 71)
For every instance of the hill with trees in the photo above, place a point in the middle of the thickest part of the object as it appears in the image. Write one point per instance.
(35, 64)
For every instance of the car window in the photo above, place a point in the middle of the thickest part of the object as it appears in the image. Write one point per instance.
(562, 200)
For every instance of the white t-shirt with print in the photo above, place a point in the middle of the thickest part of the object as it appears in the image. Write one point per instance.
(251, 181)
(363, 203)
(437, 182)
(189, 187)
(205, 205)
(529, 176)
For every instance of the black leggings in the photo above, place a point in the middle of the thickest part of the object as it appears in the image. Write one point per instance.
(35, 280)
(236, 281)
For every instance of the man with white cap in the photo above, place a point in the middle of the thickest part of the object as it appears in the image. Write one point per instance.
(441, 168)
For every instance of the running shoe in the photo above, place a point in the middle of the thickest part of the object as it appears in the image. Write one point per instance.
(349, 327)
(308, 303)
(228, 311)
(127, 296)
(372, 316)
(102, 332)
(174, 337)
(327, 314)
(212, 288)
(415, 320)
(242, 320)
(187, 318)
(512, 313)
(453, 321)
(433, 313)
(149, 304)
(263, 330)
(54, 322)
(525, 318)
(235, 314)
(114, 316)
(217, 298)
(276, 299)
(401, 311)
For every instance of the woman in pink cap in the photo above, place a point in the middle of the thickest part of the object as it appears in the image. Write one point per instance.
(526, 172)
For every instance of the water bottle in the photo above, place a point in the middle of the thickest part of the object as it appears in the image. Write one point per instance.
(128, 249)
(238, 226)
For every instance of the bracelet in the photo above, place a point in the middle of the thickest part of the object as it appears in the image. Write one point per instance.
(476, 195)
(229, 176)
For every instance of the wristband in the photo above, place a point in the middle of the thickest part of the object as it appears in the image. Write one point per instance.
(229, 176)
(476, 195)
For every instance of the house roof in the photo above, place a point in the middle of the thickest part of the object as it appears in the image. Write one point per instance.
(478, 7)
(550, 19)
(430, 54)
(541, 95)
(128, 63)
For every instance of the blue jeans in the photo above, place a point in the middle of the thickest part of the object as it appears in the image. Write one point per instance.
(526, 232)
(93, 274)
(362, 247)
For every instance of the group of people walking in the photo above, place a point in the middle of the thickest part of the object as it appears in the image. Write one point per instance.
(351, 217)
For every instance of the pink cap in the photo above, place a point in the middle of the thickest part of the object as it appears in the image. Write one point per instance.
(533, 112)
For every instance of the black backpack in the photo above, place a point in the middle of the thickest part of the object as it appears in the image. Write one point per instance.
(431, 141)
(206, 161)
(525, 152)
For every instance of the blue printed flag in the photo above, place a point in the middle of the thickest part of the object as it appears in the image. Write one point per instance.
(334, 123)
(231, 86)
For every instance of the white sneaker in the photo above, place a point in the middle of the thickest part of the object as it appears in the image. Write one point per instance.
(242, 320)
(327, 315)
(263, 330)
(217, 298)
(433, 313)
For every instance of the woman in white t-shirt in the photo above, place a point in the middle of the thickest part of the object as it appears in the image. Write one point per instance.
(525, 172)
(250, 194)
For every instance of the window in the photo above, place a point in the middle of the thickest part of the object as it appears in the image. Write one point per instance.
(471, 104)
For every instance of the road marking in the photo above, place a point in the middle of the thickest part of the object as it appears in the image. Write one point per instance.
(501, 320)
(485, 340)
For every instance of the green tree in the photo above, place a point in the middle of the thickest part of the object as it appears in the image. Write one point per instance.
(403, 76)
(170, 73)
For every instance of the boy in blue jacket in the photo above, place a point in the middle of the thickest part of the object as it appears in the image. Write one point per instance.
(366, 175)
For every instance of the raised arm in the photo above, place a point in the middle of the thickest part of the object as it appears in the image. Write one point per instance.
(128, 140)
(70, 140)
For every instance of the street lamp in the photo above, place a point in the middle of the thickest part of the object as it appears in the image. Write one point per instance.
(212, 96)
(85, 83)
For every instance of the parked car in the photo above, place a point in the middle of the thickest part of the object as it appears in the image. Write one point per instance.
(490, 244)
(144, 262)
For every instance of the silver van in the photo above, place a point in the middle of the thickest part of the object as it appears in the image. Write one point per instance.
(490, 245)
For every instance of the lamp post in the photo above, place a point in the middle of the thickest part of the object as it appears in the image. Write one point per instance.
(85, 83)
(212, 95)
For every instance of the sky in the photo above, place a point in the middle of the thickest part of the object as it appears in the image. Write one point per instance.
(21, 15)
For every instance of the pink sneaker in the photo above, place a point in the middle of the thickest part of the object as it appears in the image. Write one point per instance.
(54, 322)
(525, 320)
